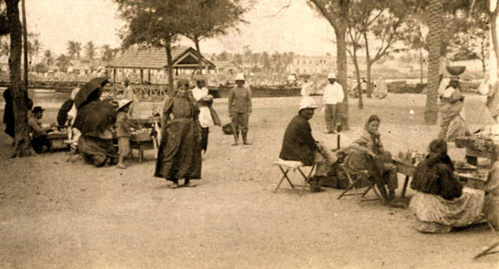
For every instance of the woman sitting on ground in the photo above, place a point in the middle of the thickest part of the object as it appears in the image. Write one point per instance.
(369, 154)
(441, 202)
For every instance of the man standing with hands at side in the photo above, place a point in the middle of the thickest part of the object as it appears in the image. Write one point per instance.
(240, 109)
(333, 95)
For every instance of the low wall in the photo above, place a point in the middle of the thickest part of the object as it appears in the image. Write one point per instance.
(404, 87)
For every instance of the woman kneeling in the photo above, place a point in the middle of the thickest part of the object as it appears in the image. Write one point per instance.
(441, 202)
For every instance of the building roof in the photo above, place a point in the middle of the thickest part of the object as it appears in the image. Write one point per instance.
(155, 58)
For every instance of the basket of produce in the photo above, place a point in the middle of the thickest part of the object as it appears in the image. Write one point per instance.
(481, 144)
(456, 70)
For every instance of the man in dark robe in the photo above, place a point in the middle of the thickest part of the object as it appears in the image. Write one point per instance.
(299, 144)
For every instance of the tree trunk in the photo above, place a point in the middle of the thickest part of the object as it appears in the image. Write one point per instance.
(198, 50)
(19, 93)
(25, 45)
(341, 66)
(357, 76)
(421, 65)
(435, 13)
(369, 64)
(493, 29)
(169, 60)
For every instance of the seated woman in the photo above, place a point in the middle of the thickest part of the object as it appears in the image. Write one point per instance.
(441, 202)
(368, 154)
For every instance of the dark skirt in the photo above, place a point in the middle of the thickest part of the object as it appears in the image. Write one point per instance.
(179, 154)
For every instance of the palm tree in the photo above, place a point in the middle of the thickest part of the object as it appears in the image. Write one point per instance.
(74, 48)
(48, 58)
(107, 53)
(34, 48)
(90, 50)
(435, 25)
(62, 61)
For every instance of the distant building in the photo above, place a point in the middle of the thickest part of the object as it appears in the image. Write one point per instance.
(227, 67)
(81, 66)
(311, 64)
(151, 64)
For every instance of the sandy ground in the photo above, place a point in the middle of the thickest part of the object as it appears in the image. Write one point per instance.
(58, 214)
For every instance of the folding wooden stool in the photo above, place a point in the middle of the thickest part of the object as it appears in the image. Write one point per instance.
(355, 179)
(489, 249)
(287, 166)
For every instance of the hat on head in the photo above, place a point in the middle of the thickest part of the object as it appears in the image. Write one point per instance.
(240, 76)
(123, 103)
(454, 78)
(37, 109)
(307, 102)
(198, 79)
(331, 76)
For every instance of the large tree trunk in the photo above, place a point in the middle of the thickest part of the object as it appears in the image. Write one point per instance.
(494, 61)
(337, 17)
(169, 60)
(369, 65)
(435, 13)
(19, 93)
(341, 66)
(25, 45)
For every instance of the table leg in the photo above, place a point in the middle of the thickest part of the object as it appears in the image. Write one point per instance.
(406, 181)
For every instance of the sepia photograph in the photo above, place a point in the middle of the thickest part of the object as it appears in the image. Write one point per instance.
(249, 134)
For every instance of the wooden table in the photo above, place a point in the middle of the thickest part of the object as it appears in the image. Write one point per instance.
(141, 144)
(57, 139)
(406, 169)
(475, 180)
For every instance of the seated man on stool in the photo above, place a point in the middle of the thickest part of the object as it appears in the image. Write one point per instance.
(38, 131)
(300, 145)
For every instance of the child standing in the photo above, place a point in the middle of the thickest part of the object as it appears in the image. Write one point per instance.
(123, 131)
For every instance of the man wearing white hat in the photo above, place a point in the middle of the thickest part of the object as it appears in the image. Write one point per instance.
(333, 95)
(240, 109)
(299, 144)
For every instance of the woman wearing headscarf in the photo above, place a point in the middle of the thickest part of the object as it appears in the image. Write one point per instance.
(369, 154)
(451, 107)
(441, 202)
(179, 154)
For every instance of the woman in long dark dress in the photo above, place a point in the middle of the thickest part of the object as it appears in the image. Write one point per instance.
(440, 201)
(179, 155)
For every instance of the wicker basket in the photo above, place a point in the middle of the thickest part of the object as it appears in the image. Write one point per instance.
(456, 70)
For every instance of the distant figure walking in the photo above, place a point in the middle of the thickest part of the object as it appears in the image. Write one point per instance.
(307, 88)
(333, 95)
(240, 109)
(207, 116)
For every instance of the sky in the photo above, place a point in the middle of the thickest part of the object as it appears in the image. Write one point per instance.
(271, 27)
